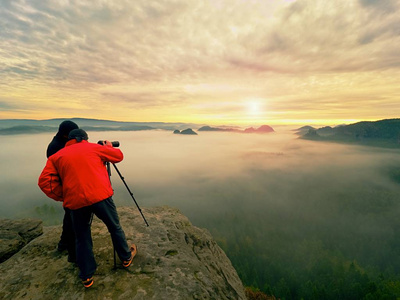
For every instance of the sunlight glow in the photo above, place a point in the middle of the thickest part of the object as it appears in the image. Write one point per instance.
(255, 106)
(209, 62)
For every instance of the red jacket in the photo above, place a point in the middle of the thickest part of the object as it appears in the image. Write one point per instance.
(77, 175)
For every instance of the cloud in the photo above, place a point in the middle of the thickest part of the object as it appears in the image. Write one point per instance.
(94, 49)
(112, 41)
(7, 105)
(319, 36)
(387, 6)
(142, 99)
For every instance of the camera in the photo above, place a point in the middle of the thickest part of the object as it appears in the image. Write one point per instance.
(114, 144)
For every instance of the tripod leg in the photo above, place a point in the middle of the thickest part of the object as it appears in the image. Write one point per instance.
(130, 193)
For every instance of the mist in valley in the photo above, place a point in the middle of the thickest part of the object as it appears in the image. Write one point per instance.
(278, 205)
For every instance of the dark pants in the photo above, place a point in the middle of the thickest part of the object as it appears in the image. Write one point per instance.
(81, 218)
(67, 239)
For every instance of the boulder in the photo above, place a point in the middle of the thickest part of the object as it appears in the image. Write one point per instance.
(175, 260)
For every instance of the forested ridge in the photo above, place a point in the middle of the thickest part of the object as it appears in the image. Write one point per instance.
(382, 133)
(343, 246)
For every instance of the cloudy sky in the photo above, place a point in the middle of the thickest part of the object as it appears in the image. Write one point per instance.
(243, 62)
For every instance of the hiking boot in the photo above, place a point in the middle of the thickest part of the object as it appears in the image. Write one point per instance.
(127, 263)
(88, 282)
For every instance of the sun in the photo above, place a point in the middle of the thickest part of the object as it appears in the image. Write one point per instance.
(254, 107)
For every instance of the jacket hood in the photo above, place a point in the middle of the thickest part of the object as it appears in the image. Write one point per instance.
(66, 127)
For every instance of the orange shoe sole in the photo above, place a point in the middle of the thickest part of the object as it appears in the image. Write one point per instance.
(127, 263)
(88, 282)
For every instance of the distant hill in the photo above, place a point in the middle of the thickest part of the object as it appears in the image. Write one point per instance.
(26, 129)
(383, 133)
(188, 131)
(209, 128)
(304, 130)
(261, 129)
(26, 126)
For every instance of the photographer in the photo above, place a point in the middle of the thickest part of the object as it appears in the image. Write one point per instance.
(61, 138)
(67, 238)
(76, 175)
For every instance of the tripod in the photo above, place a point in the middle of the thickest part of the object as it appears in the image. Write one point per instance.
(130, 193)
(127, 187)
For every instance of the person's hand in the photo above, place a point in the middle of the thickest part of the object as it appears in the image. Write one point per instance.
(108, 143)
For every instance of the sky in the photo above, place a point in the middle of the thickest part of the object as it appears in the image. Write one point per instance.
(232, 62)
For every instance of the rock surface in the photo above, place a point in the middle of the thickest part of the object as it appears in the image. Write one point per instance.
(15, 234)
(175, 261)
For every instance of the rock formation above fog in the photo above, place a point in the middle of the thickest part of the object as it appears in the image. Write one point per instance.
(188, 131)
(261, 129)
(175, 261)
(209, 128)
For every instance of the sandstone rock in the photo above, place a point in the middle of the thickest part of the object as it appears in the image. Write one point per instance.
(261, 129)
(175, 261)
(188, 131)
(15, 234)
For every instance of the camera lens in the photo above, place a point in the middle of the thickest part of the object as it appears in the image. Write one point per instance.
(114, 143)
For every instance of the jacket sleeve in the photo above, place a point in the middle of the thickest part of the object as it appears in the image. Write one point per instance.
(110, 154)
(50, 183)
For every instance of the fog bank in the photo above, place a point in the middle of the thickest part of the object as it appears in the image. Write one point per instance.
(211, 169)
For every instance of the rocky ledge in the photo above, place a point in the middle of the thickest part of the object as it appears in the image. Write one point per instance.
(15, 234)
(175, 261)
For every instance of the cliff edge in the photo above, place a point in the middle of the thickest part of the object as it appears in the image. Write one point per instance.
(175, 260)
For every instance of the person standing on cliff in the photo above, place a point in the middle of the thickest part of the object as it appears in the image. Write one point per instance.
(67, 238)
(77, 176)
(61, 138)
